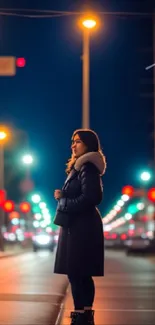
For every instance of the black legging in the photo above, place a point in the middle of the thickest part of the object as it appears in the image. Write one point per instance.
(83, 291)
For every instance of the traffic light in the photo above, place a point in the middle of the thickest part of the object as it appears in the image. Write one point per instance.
(151, 194)
(20, 62)
(8, 206)
(2, 197)
(128, 190)
(25, 207)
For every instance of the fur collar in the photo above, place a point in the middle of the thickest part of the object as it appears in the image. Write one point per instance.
(95, 158)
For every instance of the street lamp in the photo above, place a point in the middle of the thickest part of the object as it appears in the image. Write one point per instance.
(87, 24)
(145, 176)
(27, 159)
(3, 135)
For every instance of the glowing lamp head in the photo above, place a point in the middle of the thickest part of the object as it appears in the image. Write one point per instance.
(3, 135)
(89, 23)
(27, 159)
(145, 176)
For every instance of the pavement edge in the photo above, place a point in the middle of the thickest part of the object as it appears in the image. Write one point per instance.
(61, 311)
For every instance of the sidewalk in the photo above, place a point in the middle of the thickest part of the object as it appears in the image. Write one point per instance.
(12, 250)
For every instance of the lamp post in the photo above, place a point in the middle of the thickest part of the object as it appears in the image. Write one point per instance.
(3, 136)
(87, 24)
(27, 184)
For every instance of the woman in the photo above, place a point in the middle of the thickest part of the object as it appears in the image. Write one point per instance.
(80, 252)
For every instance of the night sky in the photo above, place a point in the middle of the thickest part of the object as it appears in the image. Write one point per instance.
(45, 97)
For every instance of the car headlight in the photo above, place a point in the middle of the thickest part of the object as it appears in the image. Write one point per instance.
(42, 239)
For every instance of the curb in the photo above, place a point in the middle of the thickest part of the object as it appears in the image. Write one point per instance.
(61, 311)
(15, 254)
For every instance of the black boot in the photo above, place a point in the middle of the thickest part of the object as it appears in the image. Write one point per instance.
(89, 317)
(77, 318)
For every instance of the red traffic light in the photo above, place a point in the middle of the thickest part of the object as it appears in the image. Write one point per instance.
(2, 197)
(151, 194)
(128, 190)
(8, 206)
(20, 62)
(25, 207)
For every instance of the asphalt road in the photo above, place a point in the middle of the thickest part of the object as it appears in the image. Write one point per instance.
(30, 294)
(126, 295)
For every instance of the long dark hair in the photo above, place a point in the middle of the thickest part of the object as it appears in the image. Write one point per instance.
(90, 139)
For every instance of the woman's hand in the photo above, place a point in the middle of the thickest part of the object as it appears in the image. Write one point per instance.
(58, 194)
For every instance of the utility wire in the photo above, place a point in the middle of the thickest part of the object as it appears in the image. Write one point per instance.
(31, 16)
(56, 13)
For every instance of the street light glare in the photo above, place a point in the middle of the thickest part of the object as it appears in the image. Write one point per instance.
(125, 197)
(42, 205)
(36, 198)
(89, 23)
(27, 159)
(145, 176)
(3, 135)
(120, 203)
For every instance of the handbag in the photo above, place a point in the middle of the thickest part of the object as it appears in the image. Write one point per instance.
(62, 217)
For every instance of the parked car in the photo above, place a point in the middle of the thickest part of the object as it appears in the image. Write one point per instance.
(139, 244)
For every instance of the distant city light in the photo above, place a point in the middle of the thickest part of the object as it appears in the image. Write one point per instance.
(128, 216)
(125, 197)
(120, 203)
(20, 62)
(42, 205)
(140, 206)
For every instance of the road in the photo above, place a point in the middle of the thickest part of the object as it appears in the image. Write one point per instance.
(129, 290)
(30, 294)
(126, 295)
(29, 291)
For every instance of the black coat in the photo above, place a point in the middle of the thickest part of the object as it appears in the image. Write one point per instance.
(80, 248)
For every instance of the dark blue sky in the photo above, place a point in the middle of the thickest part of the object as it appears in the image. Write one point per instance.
(44, 98)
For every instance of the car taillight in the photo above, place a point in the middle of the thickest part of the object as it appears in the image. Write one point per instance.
(123, 236)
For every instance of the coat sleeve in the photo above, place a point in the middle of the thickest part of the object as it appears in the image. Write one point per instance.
(91, 191)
